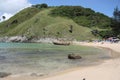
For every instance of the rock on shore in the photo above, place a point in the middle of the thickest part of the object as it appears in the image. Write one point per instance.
(4, 74)
(14, 39)
(74, 56)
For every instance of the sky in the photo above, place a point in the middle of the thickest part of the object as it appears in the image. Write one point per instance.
(9, 8)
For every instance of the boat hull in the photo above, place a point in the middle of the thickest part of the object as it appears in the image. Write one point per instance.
(61, 43)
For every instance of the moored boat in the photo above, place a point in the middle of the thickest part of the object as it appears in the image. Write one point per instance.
(61, 43)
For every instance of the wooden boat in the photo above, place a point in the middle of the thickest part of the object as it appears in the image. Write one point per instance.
(61, 43)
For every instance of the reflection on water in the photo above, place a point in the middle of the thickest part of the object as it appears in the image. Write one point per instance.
(19, 58)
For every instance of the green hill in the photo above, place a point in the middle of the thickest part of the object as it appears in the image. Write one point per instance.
(17, 19)
(34, 22)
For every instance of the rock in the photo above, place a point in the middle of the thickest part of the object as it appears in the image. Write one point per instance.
(84, 79)
(4, 74)
(17, 39)
(74, 56)
(36, 74)
(4, 39)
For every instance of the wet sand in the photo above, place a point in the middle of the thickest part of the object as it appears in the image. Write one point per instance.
(109, 70)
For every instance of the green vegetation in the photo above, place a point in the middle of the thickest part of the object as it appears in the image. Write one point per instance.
(83, 16)
(43, 25)
(71, 22)
(115, 22)
(19, 18)
(39, 6)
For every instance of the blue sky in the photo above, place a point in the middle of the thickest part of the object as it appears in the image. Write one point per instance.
(103, 6)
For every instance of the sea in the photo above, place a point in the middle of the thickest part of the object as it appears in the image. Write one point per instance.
(47, 58)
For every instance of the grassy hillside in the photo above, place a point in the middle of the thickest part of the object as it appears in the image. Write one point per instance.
(19, 18)
(33, 22)
(43, 25)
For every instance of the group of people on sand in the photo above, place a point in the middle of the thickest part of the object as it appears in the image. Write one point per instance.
(113, 39)
(109, 40)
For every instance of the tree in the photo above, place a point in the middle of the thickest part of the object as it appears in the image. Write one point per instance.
(40, 6)
(44, 5)
(3, 17)
(115, 22)
(116, 14)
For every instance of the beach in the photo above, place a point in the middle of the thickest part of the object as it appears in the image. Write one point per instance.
(59, 40)
(108, 70)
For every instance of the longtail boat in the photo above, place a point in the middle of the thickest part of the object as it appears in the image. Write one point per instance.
(61, 43)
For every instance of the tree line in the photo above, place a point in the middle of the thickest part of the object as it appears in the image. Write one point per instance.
(115, 22)
(83, 16)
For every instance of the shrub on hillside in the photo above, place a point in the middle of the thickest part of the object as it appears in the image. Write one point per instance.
(40, 6)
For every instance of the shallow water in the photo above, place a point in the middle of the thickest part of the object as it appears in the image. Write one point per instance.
(19, 58)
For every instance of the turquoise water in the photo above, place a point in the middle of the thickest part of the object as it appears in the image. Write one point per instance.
(18, 58)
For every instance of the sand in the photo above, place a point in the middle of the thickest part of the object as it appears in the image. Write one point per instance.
(108, 70)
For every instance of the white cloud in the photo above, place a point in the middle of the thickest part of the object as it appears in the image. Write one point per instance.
(10, 7)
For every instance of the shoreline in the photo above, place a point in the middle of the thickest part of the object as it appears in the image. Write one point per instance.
(85, 72)
(73, 74)
(72, 70)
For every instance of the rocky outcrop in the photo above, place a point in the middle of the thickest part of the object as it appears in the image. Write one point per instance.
(14, 39)
(17, 39)
(4, 39)
(4, 74)
(74, 56)
(32, 40)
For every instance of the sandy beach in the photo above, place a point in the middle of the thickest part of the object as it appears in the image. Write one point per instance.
(108, 70)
